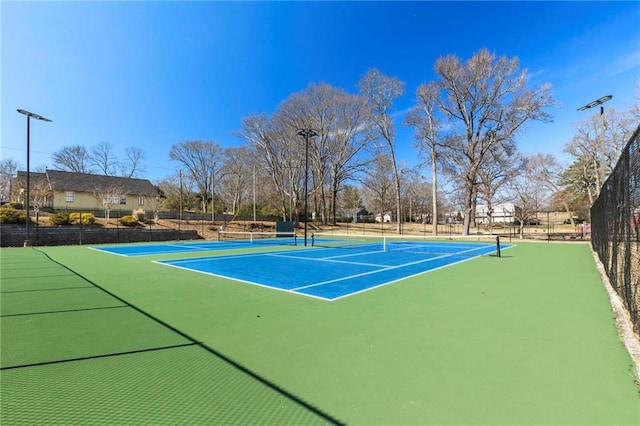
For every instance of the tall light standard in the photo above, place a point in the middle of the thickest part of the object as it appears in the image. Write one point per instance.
(595, 103)
(27, 199)
(306, 134)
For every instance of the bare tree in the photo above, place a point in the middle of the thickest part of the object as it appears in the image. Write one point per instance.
(132, 166)
(578, 186)
(72, 159)
(108, 196)
(200, 159)
(381, 91)
(156, 203)
(351, 202)
(236, 178)
(337, 154)
(525, 188)
(379, 185)
(178, 193)
(40, 193)
(281, 155)
(348, 139)
(487, 102)
(312, 108)
(428, 133)
(8, 169)
(549, 172)
(413, 192)
(103, 159)
(499, 168)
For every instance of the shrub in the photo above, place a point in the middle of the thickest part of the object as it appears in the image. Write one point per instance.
(344, 219)
(60, 218)
(129, 220)
(82, 218)
(11, 215)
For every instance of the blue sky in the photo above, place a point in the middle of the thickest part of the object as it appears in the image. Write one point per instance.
(153, 74)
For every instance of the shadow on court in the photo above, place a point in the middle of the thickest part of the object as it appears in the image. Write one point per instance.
(73, 353)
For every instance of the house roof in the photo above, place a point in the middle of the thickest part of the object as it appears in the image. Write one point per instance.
(84, 182)
(35, 180)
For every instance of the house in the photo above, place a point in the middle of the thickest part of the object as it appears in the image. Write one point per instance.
(383, 218)
(59, 190)
(362, 215)
(500, 213)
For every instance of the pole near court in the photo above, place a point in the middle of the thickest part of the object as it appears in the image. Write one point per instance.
(27, 197)
(306, 133)
(595, 103)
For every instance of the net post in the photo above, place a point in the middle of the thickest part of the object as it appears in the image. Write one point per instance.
(498, 245)
(295, 239)
(313, 239)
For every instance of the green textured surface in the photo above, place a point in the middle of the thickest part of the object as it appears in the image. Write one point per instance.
(182, 386)
(31, 339)
(525, 339)
(28, 271)
(56, 300)
(63, 280)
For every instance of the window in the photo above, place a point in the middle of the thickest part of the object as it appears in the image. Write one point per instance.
(123, 199)
(110, 199)
(140, 200)
(70, 195)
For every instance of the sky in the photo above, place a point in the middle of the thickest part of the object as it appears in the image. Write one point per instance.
(154, 74)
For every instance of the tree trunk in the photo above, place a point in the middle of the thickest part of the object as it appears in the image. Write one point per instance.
(468, 203)
(434, 196)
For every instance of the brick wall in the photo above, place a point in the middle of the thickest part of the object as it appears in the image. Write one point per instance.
(14, 235)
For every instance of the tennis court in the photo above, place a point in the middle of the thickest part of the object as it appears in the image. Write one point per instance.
(93, 338)
(231, 241)
(340, 266)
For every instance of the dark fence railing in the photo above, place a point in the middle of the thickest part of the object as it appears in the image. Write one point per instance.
(615, 227)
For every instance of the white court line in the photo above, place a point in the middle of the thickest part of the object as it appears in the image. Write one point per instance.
(107, 251)
(410, 276)
(205, 259)
(270, 287)
(327, 259)
(388, 268)
(296, 290)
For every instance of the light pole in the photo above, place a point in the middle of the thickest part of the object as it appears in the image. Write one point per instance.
(254, 194)
(306, 134)
(595, 103)
(213, 212)
(27, 199)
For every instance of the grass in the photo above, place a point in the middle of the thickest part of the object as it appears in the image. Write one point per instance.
(525, 339)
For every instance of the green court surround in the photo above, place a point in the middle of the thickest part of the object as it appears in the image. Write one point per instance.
(528, 338)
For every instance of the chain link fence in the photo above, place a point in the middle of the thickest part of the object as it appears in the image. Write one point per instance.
(615, 218)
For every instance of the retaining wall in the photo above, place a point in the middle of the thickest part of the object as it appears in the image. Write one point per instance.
(15, 235)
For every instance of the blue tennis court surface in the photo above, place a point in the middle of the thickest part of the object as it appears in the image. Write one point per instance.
(334, 273)
(186, 247)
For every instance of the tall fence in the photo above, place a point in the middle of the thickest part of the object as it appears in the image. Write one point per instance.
(615, 227)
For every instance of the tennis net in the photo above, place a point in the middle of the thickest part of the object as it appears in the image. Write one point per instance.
(266, 238)
(467, 245)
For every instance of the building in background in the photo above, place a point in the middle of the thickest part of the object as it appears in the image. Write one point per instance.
(58, 190)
